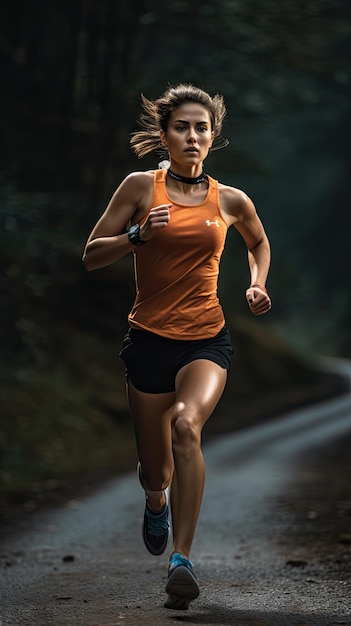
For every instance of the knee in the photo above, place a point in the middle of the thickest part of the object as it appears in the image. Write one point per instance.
(185, 431)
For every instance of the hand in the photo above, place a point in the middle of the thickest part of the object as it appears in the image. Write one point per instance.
(258, 300)
(158, 218)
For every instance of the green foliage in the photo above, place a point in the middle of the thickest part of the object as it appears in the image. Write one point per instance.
(54, 429)
(72, 77)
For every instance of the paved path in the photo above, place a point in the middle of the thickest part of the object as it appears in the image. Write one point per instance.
(85, 564)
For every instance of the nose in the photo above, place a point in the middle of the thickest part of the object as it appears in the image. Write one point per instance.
(191, 135)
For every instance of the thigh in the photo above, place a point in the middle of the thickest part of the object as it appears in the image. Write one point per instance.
(199, 386)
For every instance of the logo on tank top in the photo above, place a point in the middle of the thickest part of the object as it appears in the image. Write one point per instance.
(215, 223)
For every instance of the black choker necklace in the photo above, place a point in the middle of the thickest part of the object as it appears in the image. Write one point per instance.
(188, 181)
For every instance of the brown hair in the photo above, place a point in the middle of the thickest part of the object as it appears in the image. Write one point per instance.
(156, 114)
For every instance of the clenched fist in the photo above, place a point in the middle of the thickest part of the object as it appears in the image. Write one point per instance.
(158, 217)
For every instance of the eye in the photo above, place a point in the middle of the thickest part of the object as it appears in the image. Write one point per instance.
(180, 128)
(202, 129)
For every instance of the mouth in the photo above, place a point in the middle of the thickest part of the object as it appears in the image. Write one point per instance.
(192, 150)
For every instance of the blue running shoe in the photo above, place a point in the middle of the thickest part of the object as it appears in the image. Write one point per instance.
(182, 586)
(155, 529)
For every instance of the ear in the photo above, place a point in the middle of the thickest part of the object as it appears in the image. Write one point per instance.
(163, 137)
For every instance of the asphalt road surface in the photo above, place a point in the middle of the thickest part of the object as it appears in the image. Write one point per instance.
(85, 564)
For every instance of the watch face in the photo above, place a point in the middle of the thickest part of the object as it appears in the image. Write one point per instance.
(133, 235)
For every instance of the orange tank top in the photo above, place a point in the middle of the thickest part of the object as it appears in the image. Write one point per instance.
(176, 272)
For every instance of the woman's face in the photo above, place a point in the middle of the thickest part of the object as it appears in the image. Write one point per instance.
(189, 134)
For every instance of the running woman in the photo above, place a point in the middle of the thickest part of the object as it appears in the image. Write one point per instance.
(177, 349)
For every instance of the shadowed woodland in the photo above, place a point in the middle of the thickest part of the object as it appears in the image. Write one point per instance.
(72, 75)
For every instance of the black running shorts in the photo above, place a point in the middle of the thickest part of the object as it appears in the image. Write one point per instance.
(152, 362)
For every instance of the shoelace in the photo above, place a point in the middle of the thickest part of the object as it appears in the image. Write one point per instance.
(157, 524)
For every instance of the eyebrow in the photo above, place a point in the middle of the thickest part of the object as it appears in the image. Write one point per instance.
(185, 122)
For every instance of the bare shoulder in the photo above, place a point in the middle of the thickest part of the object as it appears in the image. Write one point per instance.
(236, 205)
(138, 180)
(130, 201)
(135, 191)
(140, 176)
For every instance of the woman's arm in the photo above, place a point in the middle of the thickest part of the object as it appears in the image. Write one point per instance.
(107, 242)
(130, 203)
(241, 212)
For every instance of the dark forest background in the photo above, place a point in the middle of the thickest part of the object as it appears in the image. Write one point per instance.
(72, 72)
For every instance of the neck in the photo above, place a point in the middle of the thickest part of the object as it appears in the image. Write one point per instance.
(185, 179)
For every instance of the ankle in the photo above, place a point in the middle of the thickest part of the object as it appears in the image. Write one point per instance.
(183, 553)
(155, 500)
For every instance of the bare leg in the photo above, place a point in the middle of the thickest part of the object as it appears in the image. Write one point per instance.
(151, 414)
(199, 386)
(168, 436)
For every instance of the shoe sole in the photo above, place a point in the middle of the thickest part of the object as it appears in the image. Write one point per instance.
(182, 587)
(178, 604)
